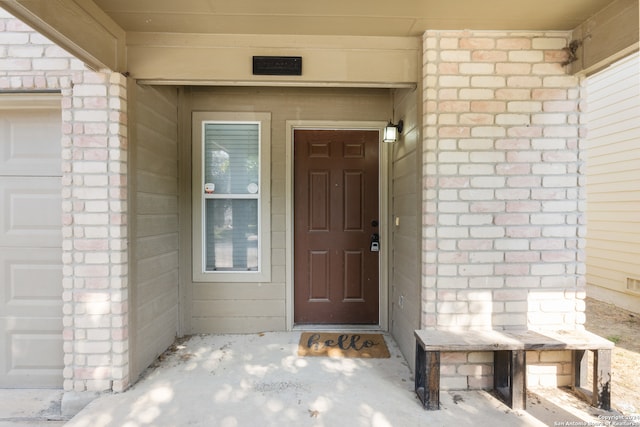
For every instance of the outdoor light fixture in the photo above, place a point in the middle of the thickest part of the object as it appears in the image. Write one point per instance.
(392, 131)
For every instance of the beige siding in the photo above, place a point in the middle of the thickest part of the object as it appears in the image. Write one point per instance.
(609, 35)
(227, 58)
(252, 307)
(613, 184)
(405, 295)
(154, 202)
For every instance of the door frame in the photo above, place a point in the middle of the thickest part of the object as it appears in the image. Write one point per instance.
(383, 203)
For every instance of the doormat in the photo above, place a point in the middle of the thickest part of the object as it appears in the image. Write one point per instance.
(330, 344)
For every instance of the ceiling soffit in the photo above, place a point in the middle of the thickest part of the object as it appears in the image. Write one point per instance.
(352, 17)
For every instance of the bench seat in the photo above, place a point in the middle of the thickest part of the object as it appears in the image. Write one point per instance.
(509, 351)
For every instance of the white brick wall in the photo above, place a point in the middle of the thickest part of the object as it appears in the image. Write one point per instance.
(95, 247)
(503, 195)
(94, 160)
(29, 61)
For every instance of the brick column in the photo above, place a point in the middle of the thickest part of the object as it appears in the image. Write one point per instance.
(504, 186)
(95, 286)
(504, 195)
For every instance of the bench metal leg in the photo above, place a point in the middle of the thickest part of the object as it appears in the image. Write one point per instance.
(509, 377)
(600, 393)
(580, 375)
(432, 391)
(427, 379)
(519, 379)
(420, 372)
(602, 379)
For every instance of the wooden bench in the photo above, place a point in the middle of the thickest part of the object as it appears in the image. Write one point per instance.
(509, 359)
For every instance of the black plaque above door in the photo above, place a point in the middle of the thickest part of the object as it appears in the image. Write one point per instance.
(277, 65)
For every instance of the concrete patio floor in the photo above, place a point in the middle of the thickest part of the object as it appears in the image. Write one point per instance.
(258, 379)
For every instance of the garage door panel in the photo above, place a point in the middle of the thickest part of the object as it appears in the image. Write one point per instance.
(32, 281)
(31, 352)
(30, 142)
(31, 345)
(31, 212)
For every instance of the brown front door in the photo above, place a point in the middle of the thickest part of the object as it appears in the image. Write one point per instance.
(336, 215)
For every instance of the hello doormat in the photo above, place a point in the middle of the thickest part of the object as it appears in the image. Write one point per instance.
(330, 344)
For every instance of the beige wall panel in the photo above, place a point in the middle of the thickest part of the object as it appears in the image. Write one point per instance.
(624, 142)
(161, 284)
(617, 221)
(150, 225)
(623, 260)
(248, 307)
(156, 266)
(405, 259)
(157, 138)
(238, 291)
(230, 325)
(155, 244)
(609, 278)
(623, 168)
(608, 36)
(408, 182)
(231, 308)
(158, 182)
(151, 315)
(621, 214)
(406, 225)
(154, 249)
(404, 204)
(220, 58)
(157, 157)
(149, 203)
(402, 326)
(613, 187)
(149, 338)
(404, 164)
(614, 196)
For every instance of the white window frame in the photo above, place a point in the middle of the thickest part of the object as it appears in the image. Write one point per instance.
(263, 274)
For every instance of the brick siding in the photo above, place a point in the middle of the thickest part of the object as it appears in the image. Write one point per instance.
(503, 191)
(95, 232)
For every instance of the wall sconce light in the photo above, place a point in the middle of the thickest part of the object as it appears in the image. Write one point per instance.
(391, 131)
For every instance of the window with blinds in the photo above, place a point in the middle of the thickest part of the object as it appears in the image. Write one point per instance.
(229, 187)
(231, 192)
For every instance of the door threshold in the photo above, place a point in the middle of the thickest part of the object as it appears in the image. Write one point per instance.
(341, 327)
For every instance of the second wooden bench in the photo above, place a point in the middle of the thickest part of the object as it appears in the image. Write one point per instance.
(509, 358)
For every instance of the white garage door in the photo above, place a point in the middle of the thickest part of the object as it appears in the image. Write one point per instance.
(30, 242)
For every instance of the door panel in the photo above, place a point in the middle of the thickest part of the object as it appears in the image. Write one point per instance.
(32, 282)
(336, 213)
(31, 210)
(31, 352)
(26, 138)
